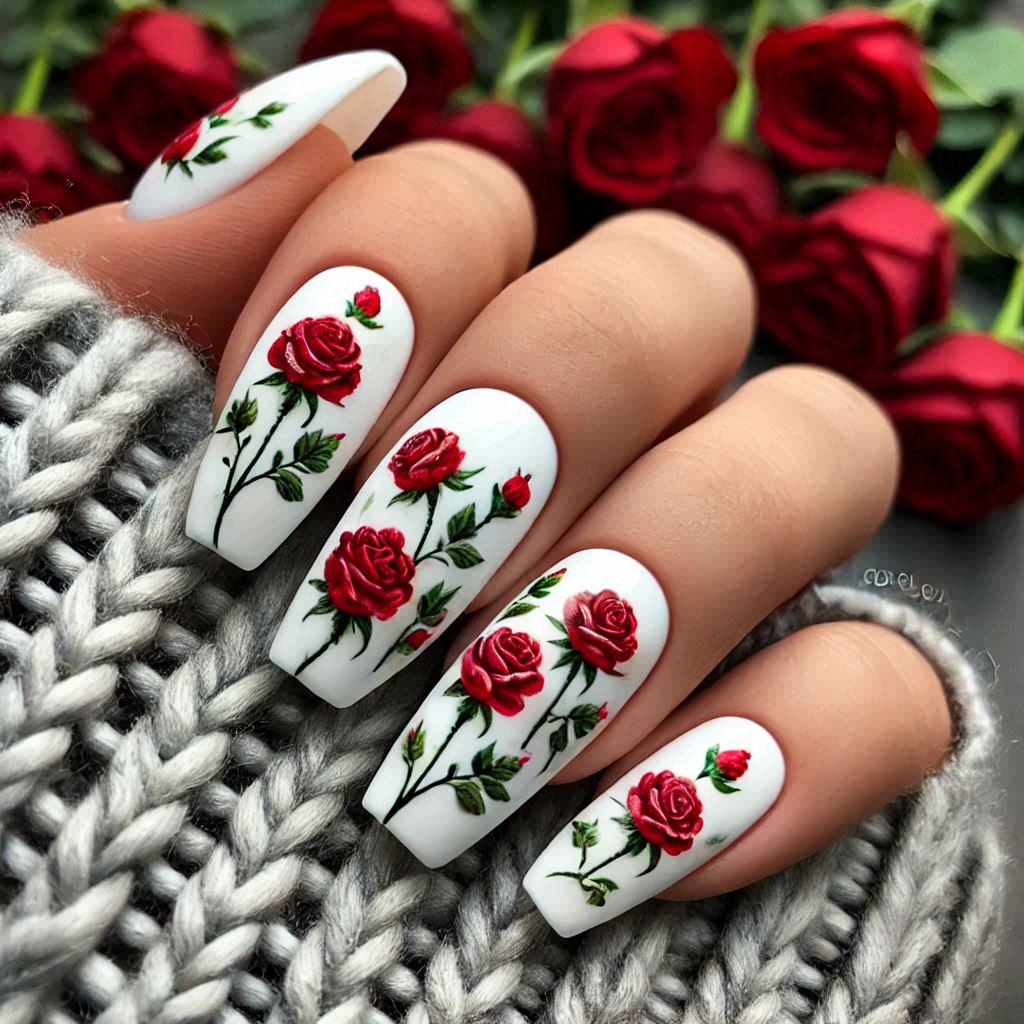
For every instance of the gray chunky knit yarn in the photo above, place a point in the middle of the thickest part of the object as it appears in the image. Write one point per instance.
(180, 832)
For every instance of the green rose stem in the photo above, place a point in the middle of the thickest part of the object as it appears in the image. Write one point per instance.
(316, 654)
(979, 177)
(580, 875)
(544, 718)
(406, 796)
(1007, 325)
(511, 75)
(739, 114)
(418, 557)
(33, 85)
(230, 493)
(432, 495)
(398, 643)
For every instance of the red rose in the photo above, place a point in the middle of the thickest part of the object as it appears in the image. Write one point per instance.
(369, 573)
(182, 144)
(630, 106)
(501, 669)
(958, 406)
(367, 301)
(426, 460)
(423, 34)
(417, 638)
(320, 355)
(732, 764)
(837, 91)
(516, 490)
(666, 811)
(845, 286)
(731, 191)
(39, 165)
(158, 72)
(601, 627)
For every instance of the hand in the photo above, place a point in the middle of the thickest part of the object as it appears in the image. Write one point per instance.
(544, 451)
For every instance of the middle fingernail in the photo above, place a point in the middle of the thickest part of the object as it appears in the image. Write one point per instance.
(538, 685)
(428, 529)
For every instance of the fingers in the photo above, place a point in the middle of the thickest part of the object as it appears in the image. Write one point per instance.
(323, 354)
(696, 543)
(781, 756)
(521, 399)
(207, 215)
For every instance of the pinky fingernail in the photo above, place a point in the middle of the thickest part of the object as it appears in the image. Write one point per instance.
(658, 823)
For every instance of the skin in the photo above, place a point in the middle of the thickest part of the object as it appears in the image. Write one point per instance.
(623, 343)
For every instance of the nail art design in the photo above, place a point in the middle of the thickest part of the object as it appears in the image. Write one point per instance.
(349, 94)
(433, 523)
(314, 385)
(512, 711)
(657, 824)
(196, 145)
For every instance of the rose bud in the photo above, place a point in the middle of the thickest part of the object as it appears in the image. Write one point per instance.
(435, 620)
(182, 144)
(516, 490)
(158, 72)
(423, 34)
(368, 301)
(524, 759)
(602, 711)
(845, 286)
(730, 191)
(631, 106)
(838, 91)
(731, 764)
(958, 407)
(417, 638)
(39, 164)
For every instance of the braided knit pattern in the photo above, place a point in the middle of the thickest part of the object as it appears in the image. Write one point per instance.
(181, 837)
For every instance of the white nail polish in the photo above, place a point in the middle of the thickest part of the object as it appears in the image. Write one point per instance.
(350, 94)
(428, 529)
(539, 683)
(662, 820)
(312, 389)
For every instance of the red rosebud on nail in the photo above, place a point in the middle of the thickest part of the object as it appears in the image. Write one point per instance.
(732, 763)
(182, 145)
(561, 572)
(417, 638)
(516, 490)
(602, 711)
(367, 301)
(524, 759)
(223, 108)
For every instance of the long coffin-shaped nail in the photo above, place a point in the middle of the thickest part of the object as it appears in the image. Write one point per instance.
(428, 529)
(313, 387)
(662, 820)
(350, 94)
(540, 682)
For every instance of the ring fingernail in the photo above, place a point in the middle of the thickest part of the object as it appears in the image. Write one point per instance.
(659, 822)
(350, 94)
(526, 697)
(423, 536)
(316, 382)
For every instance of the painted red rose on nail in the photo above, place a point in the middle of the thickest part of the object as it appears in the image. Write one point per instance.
(426, 460)
(182, 145)
(516, 490)
(221, 109)
(417, 638)
(369, 573)
(601, 628)
(666, 811)
(732, 763)
(501, 669)
(367, 301)
(319, 354)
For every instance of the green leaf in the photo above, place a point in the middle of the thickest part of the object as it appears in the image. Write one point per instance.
(518, 608)
(365, 627)
(463, 523)
(213, 154)
(415, 741)
(812, 188)
(589, 675)
(456, 690)
(973, 128)
(494, 789)
(462, 475)
(583, 13)
(565, 644)
(584, 835)
(710, 760)
(272, 108)
(567, 658)
(505, 768)
(488, 717)
(635, 844)
(544, 586)
(242, 414)
(558, 624)
(653, 856)
(469, 796)
(979, 65)
(908, 169)
(463, 555)
(324, 606)
(434, 602)
(974, 238)
(312, 452)
(722, 786)
(275, 380)
(352, 310)
(455, 485)
(916, 13)
(559, 739)
(500, 508)
(483, 760)
(584, 718)
(406, 497)
(467, 710)
(313, 403)
(288, 485)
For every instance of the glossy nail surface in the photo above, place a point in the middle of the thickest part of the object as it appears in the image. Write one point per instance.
(662, 820)
(541, 681)
(428, 529)
(350, 94)
(312, 389)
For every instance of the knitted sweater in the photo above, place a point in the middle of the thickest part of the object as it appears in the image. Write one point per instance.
(181, 837)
